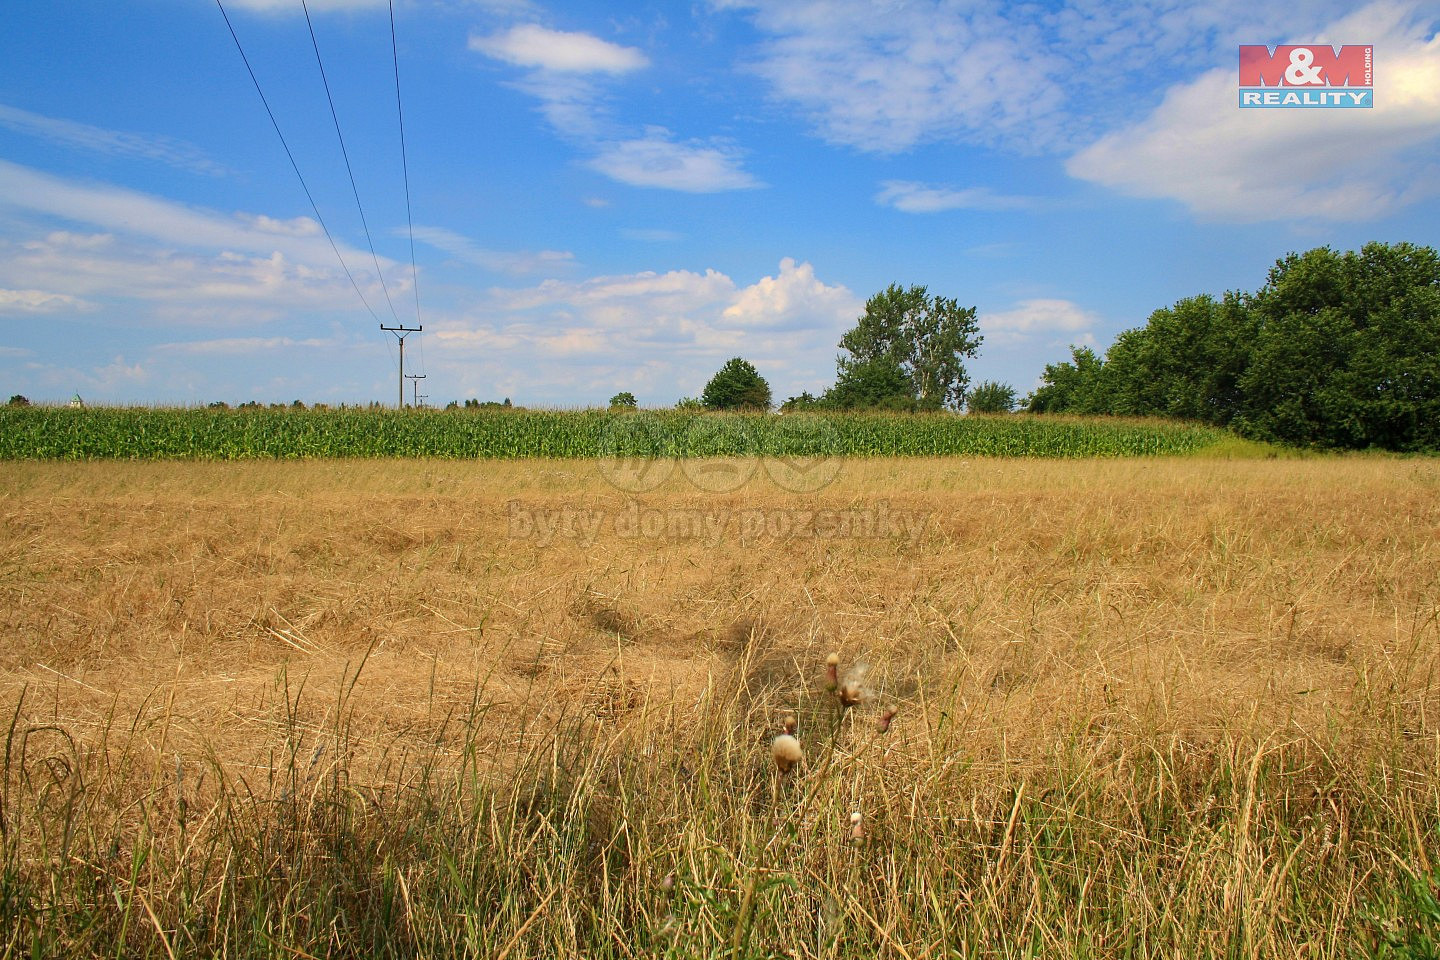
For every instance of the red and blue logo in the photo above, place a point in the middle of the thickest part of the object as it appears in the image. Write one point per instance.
(1309, 75)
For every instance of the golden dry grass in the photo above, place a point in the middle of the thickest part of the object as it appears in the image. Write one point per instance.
(1177, 608)
(1169, 596)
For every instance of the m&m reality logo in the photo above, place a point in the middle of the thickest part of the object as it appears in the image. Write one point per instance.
(1313, 75)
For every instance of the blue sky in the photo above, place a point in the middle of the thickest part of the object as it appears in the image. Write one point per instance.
(611, 198)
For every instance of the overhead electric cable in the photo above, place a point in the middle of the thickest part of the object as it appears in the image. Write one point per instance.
(344, 153)
(405, 169)
(293, 165)
(404, 164)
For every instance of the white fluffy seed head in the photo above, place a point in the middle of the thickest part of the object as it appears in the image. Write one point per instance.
(787, 752)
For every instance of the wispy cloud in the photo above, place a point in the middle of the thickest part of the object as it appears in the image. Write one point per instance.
(566, 71)
(909, 196)
(40, 301)
(245, 346)
(1028, 319)
(657, 160)
(1230, 164)
(115, 143)
(123, 211)
(531, 45)
(161, 285)
(465, 250)
(886, 77)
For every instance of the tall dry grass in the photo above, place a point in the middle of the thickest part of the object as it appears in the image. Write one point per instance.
(1145, 708)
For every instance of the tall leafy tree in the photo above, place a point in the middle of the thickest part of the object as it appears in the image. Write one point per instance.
(737, 386)
(878, 383)
(1347, 350)
(926, 338)
(1076, 386)
(1186, 362)
(991, 397)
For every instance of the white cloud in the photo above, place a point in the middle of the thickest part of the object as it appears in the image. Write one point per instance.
(911, 197)
(83, 136)
(531, 45)
(465, 250)
(563, 68)
(193, 265)
(1223, 162)
(655, 160)
(295, 227)
(119, 210)
(793, 296)
(1033, 317)
(625, 298)
(646, 330)
(178, 286)
(243, 346)
(885, 77)
(116, 373)
(40, 301)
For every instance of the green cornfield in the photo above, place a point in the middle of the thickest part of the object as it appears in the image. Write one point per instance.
(145, 433)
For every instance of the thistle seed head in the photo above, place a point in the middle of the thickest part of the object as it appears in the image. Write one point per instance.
(787, 752)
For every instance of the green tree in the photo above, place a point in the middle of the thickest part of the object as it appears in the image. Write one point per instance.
(991, 397)
(802, 403)
(737, 386)
(1076, 386)
(624, 400)
(1347, 350)
(19, 400)
(879, 383)
(927, 338)
(1186, 362)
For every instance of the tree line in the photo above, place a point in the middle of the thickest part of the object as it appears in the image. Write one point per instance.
(1336, 350)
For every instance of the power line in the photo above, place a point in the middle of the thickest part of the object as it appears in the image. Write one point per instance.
(404, 165)
(293, 165)
(344, 153)
(405, 170)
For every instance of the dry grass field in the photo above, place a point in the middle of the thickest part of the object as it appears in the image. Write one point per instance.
(1146, 707)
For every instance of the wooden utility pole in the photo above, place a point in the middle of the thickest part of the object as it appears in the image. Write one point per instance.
(415, 379)
(400, 333)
